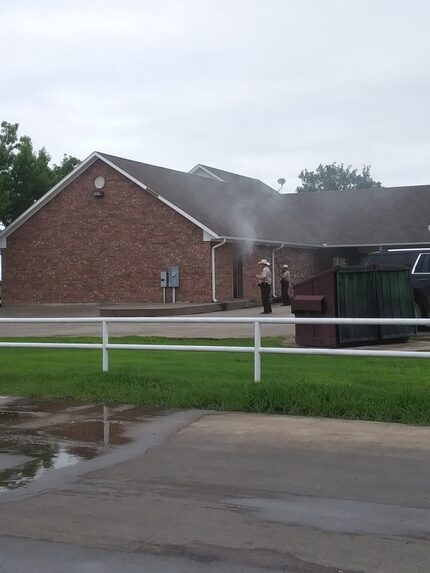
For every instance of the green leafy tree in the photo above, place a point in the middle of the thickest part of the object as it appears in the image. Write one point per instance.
(8, 144)
(67, 165)
(336, 176)
(25, 175)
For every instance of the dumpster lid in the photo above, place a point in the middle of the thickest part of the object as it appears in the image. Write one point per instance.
(313, 297)
(308, 302)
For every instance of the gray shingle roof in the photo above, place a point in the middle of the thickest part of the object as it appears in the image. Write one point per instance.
(240, 207)
(390, 215)
(246, 207)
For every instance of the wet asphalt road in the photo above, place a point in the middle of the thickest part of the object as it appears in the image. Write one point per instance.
(29, 555)
(197, 491)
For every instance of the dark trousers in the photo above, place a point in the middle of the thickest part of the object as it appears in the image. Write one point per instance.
(285, 285)
(265, 297)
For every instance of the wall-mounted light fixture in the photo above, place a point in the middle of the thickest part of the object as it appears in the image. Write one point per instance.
(99, 183)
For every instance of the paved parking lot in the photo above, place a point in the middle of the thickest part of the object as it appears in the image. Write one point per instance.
(173, 330)
(197, 491)
(420, 342)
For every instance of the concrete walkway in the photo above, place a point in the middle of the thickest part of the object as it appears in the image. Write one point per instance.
(287, 331)
(172, 330)
(232, 492)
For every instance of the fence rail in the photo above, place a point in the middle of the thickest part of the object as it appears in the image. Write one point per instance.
(257, 349)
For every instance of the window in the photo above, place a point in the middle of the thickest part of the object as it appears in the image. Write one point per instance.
(423, 264)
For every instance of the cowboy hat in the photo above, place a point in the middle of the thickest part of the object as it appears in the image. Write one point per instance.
(285, 266)
(263, 262)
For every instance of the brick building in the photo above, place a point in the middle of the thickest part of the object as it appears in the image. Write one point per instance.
(106, 231)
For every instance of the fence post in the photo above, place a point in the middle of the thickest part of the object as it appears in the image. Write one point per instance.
(105, 341)
(257, 346)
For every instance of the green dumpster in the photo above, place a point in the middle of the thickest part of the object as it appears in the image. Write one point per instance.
(355, 292)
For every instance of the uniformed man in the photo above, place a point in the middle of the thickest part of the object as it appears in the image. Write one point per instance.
(285, 284)
(265, 282)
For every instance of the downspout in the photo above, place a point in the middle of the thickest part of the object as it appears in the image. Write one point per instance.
(214, 269)
(273, 270)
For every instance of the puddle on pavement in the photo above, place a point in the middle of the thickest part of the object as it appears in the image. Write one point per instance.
(37, 437)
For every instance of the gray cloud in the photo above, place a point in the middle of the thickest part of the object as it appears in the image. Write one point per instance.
(265, 88)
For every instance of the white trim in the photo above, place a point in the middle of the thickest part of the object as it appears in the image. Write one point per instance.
(206, 170)
(416, 263)
(48, 196)
(322, 245)
(209, 237)
(213, 265)
(2, 242)
(189, 217)
(73, 174)
(158, 196)
(269, 242)
(326, 246)
(273, 269)
(407, 250)
(108, 162)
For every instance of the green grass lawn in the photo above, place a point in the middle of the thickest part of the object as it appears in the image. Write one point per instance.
(381, 389)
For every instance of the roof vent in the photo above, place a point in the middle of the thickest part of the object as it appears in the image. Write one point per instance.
(99, 183)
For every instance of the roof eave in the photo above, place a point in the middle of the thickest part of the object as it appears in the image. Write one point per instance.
(206, 170)
(376, 244)
(158, 196)
(47, 197)
(272, 242)
(72, 175)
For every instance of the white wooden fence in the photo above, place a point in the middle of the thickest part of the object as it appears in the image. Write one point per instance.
(257, 349)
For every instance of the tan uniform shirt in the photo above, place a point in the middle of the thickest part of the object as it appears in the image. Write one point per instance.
(265, 276)
(286, 275)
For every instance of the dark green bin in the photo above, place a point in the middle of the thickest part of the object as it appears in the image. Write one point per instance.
(381, 292)
(355, 292)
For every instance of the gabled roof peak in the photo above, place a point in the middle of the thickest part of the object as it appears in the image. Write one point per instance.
(204, 171)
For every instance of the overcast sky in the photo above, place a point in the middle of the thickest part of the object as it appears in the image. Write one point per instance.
(259, 87)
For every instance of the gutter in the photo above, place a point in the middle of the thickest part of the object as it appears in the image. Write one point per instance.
(327, 246)
(214, 299)
(273, 269)
(270, 242)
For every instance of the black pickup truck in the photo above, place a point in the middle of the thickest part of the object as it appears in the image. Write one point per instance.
(418, 262)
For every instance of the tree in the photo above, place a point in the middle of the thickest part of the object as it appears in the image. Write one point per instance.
(25, 175)
(336, 176)
(8, 144)
(67, 164)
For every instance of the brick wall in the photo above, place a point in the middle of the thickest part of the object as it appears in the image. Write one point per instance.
(81, 249)
(304, 263)
(224, 256)
(250, 256)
